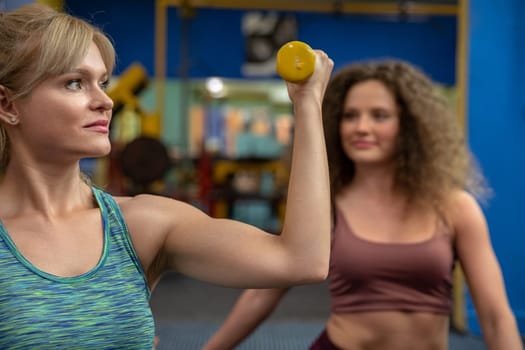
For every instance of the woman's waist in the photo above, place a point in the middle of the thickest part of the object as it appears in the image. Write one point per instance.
(393, 330)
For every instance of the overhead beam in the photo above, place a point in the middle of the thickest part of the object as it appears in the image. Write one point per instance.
(56, 4)
(358, 8)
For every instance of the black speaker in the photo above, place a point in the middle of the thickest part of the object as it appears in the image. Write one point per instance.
(264, 33)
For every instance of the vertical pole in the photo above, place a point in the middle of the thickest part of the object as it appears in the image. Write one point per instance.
(462, 62)
(458, 299)
(160, 56)
(186, 11)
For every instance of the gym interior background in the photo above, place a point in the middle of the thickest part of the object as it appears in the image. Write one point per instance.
(221, 143)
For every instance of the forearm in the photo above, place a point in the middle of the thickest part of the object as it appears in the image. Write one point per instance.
(307, 222)
(503, 334)
(250, 310)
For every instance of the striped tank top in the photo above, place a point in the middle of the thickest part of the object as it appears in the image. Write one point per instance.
(105, 308)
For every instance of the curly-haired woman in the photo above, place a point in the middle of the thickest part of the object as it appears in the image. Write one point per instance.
(404, 186)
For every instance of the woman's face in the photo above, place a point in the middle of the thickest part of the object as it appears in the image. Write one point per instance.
(369, 125)
(67, 117)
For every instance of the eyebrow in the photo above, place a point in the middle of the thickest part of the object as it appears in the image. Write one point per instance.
(86, 72)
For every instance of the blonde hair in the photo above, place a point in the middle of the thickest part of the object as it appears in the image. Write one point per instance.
(38, 42)
(432, 158)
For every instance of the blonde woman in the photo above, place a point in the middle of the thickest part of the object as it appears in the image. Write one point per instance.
(77, 264)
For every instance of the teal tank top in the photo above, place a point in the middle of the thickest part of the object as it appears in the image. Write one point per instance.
(105, 308)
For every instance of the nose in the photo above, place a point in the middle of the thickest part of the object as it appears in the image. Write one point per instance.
(363, 124)
(101, 101)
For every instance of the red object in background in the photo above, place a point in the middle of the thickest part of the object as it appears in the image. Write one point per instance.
(205, 181)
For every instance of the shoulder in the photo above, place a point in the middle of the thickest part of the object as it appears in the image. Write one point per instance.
(461, 200)
(162, 212)
(150, 204)
(150, 220)
(465, 213)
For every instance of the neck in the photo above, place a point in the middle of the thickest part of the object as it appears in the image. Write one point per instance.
(375, 186)
(374, 179)
(46, 190)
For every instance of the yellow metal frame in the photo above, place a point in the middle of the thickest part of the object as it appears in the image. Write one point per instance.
(56, 4)
(161, 18)
(458, 318)
(123, 91)
(359, 8)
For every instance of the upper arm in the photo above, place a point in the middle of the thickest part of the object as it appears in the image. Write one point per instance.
(226, 252)
(173, 235)
(477, 257)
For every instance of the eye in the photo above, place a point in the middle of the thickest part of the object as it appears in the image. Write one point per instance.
(350, 115)
(74, 84)
(380, 114)
(104, 85)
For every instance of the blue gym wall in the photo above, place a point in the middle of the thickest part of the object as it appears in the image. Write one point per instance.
(496, 103)
(496, 126)
(216, 43)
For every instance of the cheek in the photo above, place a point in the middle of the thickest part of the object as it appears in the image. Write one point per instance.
(391, 130)
(56, 111)
(392, 135)
(345, 137)
(34, 107)
(345, 129)
(51, 120)
(391, 139)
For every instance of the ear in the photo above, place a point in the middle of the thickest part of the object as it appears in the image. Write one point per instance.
(8, 111)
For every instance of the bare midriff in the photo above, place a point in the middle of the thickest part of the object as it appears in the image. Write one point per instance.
(392, 330)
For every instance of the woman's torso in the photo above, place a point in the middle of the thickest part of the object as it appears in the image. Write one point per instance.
(390, 278)
(392, 330)
(75, 282)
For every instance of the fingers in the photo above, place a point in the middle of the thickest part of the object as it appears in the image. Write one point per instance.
(324, 58)
(296, 61)
(314, 84)
(323, 67)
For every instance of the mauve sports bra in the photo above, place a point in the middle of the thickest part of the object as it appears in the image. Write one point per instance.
(375, 276)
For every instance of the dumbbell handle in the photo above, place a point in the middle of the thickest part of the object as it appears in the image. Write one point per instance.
(295, 61)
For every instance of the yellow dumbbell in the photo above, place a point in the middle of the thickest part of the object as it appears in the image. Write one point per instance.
(295, 61)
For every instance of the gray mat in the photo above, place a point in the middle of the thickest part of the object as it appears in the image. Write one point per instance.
(271, 335)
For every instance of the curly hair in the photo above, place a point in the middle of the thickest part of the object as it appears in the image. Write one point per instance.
(432, 157)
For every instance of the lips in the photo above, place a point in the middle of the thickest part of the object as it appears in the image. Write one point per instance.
(101, 125)
(100, 122)
(361, 144)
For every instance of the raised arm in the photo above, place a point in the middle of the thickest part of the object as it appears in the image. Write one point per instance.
(171, 235)
(251, 309)
(483, 275)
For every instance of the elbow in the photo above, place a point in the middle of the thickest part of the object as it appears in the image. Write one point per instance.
(314, 273)
(321, 273)
(321, 268)
(317, 270)
(318, 278)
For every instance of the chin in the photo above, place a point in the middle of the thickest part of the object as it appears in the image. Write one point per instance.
(367, 159)
(105, 152)
(100, 151)
(371, 160)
